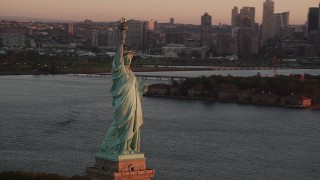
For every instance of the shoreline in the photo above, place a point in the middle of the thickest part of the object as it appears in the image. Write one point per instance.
(154, 69)
(317, 107)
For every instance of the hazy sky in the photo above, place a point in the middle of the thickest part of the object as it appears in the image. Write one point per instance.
(183, 11)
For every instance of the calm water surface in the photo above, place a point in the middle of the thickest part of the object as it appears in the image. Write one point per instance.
(56, 124)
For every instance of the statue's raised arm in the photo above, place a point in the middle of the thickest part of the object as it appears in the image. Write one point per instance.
(118, 59)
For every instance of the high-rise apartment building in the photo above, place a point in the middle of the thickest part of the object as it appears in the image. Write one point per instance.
(280, 24)
(95, 37)
(148, 25)
(134, 34)
(172, 21)
(267, 21)
(247, 15)
(174, 38)
(70, 29)
(206, 29)
(206, 20)
(103, 38)
(247, 39)
(226, 44)
(244, 32)
(235, 17)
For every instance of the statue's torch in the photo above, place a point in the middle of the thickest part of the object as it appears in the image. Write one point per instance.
(123, 24)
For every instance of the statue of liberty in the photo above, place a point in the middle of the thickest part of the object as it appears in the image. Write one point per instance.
(123, 136)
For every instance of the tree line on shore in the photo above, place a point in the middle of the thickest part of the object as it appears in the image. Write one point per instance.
(304, 85)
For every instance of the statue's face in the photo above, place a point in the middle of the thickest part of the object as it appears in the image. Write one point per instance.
(127, 59)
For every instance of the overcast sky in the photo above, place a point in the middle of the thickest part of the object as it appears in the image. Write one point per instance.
(183, 11)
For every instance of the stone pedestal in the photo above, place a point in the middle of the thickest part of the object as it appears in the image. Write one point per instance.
(125, 167)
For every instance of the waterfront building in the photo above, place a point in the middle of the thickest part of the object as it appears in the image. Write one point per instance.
(296, 100)
(195, 91)
(266, 98)
(267, 22)
(158, 89)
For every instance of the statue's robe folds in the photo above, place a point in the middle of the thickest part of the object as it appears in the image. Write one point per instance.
(123, 137)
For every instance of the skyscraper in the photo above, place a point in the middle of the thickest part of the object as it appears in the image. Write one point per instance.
(134, 34)
(280, 24)
(314, 26)
(247, 14)
(313, 19)
(267, 21)
(69, 28)
(148, 25)
(206, 29)
(171, 20)
(206, 20)
(247, 38)
(235, 17)
(244, 31)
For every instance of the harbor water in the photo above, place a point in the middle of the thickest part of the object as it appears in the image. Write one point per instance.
(56, 123)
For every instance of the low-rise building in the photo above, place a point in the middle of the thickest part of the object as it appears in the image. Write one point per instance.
(158, 89)
(266, 98)
(228, 92)
(174, 90)
(246, 95)
(173, 49)
(296, 100)
(195, 91)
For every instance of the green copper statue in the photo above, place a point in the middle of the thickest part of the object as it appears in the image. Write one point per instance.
(123, 137)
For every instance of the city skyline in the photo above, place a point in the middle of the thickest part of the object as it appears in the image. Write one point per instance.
(186, 12)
